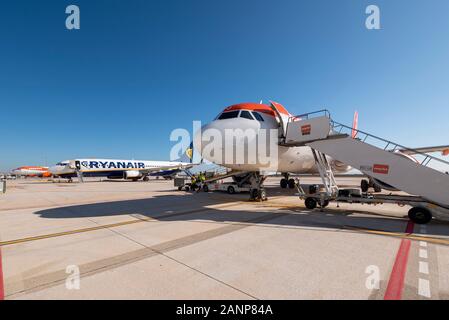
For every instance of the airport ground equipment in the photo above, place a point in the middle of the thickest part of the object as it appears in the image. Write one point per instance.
(182, 183)
(3, 186)
(422, 176)
(229, 187)
(243, 182)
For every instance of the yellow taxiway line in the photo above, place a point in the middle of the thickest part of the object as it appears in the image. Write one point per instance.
(112, 225)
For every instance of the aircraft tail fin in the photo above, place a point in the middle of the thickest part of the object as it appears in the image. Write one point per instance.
(355, 125)
(187, 156)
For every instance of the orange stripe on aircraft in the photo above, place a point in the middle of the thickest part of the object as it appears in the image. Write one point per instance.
(258, 108)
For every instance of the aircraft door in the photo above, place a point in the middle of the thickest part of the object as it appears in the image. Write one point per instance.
(281, 118)
(78, 165)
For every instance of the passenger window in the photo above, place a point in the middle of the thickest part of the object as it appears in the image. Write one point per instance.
(257, 116)
(228, 115)
(246, 115)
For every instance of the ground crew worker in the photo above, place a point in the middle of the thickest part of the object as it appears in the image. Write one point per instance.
(201, 179)
(193, 183)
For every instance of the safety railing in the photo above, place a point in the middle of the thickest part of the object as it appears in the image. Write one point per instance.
(306, 116)
(387, 145)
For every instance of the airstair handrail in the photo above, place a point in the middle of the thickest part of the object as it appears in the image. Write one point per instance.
(305, 116)
(395, 146)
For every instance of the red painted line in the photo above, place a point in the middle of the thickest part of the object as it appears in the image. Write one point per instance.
(410, 227)
(2, 288)
(397, 276)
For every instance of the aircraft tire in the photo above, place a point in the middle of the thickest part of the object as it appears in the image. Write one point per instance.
(284, 183)
(253, 194)
(231, 190)
(364, 185)
(291, 183)
(263, 194)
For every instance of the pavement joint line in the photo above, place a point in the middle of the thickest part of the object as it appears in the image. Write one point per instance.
(183, 263)
(112, 225)
(56, 277)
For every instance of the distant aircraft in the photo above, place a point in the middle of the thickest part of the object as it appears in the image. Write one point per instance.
(31, 171)
(120, 169)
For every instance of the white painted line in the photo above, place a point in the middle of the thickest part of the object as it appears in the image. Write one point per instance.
(424, 288)
(423, 253)
(423, 267)
(423, 244)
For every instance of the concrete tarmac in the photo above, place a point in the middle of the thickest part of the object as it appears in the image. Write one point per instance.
(147, 240)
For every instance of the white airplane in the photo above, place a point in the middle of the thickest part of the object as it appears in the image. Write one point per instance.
(298, 160)
(120, 169)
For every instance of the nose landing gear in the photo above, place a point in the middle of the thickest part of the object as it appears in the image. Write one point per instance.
(257, 191)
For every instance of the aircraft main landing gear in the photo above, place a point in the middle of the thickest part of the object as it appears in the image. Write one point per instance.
(366, 184)
(287, 182)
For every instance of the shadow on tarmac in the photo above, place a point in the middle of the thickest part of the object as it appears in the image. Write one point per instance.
(184, 206)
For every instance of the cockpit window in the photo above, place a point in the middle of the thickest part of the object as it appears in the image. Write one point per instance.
(228, 115)
(62, 163)
(257, 116)
(246, 114)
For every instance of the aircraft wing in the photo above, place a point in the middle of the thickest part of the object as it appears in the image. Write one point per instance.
(174, 167)
(443, 149)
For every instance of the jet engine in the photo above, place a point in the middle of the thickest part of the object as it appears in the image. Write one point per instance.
(339, 166)
(132, 174)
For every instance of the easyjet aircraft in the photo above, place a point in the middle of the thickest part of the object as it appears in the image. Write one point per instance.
(31, 171)
(299, 160)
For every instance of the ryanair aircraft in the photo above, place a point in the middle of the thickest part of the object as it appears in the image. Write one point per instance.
(119, 169)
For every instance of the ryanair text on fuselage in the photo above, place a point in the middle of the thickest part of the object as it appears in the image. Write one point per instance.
(112, 165)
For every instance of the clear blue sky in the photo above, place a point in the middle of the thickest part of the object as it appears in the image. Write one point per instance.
(138, 69)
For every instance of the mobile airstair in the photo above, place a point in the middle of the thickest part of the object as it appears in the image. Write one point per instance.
(422, 176)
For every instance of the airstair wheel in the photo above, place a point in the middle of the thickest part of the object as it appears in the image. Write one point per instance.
(420, 215)
(310, 203)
